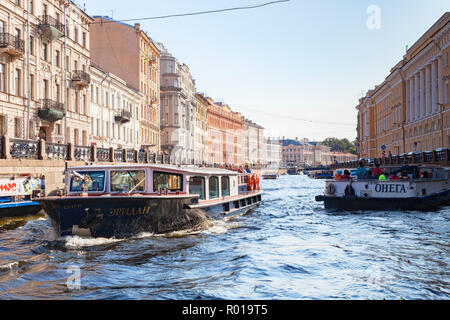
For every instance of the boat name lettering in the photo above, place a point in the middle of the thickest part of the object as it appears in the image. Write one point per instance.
(129, 211)
(72, 206)
(394, 188)
(8, 187)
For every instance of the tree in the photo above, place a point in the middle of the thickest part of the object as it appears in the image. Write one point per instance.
(340, 145)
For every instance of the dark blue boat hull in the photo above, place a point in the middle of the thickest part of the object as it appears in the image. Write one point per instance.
(19, 209)
(352, 203)
(129, 216)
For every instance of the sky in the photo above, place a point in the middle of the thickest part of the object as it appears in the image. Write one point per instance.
(297, 68)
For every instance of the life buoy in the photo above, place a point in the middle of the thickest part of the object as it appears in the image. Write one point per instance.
(331, 189)
(250, 183)
(257, 182)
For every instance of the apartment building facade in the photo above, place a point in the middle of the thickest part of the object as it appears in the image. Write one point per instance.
(225, 132)
(34, 96)
(201, 129)
(252, 142)
(114, 111)
(129, 53)
(409, 111)
(178, 98)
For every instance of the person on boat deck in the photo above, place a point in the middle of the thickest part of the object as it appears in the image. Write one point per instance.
(406, 166)
(346, 175)
(247, 169)
(361, 172)
(338, 175)
(404, 175)
(394, 177)
(425, 175)
(377, 171)
(383, 177)
(240, 169)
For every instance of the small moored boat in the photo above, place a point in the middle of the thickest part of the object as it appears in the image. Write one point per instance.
(411, 194)
(16, 197)
(124, 200)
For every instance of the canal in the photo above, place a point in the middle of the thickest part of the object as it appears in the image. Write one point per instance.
(287, 248)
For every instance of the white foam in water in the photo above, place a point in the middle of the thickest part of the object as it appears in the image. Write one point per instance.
(9, 266)
(74, 242)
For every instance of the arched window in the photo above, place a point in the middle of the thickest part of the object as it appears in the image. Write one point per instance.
(213, 187)
(225, 186)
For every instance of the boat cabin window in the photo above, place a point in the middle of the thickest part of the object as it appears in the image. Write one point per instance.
(213, 187)
(170, 181)
(225, 186)
(197, 186)
(87, 181)
(128, 181)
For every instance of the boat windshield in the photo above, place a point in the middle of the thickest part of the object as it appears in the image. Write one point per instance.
(127, 181)
(87, 181)
(169, 181)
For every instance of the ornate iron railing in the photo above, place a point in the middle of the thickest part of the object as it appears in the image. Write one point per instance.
(51, 104)
(142, 156)
(52, 22)
(103, 155)
(131, 155)
(23, 149)
(81, 153)
(118, 155)
(56, 151)
(80, 75)
(7, 39)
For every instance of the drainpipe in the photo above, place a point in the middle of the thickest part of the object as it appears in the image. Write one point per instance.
(65, 74)
(28, 70)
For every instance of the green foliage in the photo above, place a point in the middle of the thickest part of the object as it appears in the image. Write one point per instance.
(341, 145)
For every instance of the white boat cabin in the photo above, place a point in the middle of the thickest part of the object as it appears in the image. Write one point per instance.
(208, 183)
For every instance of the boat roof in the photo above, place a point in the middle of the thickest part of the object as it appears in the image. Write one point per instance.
(173, 168)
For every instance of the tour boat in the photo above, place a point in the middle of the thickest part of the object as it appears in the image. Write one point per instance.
(125, 200)
(412, 194)
(270, 176)
(16, 197)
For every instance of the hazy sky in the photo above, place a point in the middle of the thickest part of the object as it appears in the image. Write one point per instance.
(283, 63)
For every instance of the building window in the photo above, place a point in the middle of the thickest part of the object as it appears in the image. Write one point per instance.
(3, 77)
(46, 89)
(57, 58)
(33, 97)
(76, 137)
(3, 125)
(45, 51)
(17, 81)
(58, 93)
(32, 46)
(17, 128)
(84, 39)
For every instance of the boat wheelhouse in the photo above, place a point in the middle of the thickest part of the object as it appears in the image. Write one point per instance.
(125, 200)
(417, 191)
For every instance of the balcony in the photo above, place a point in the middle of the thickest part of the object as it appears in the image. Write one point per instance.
(123, 116)
(11, 45)
(51, 111)
(51, 28)
(81, 79)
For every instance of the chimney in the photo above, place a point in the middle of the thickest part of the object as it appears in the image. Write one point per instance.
(137, 26)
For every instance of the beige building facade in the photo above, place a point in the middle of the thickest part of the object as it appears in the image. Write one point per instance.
(34, 96)
(409, 111)
(129, 53)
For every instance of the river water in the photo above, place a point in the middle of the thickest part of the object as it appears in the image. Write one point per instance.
(287, 248)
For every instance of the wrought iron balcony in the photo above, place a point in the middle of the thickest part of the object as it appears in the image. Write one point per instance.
(51, 28)
(12, 45)
(123, 116)
(51, 110)
(81, 79)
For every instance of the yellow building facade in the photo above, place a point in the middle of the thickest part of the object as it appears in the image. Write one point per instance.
(409, 111)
